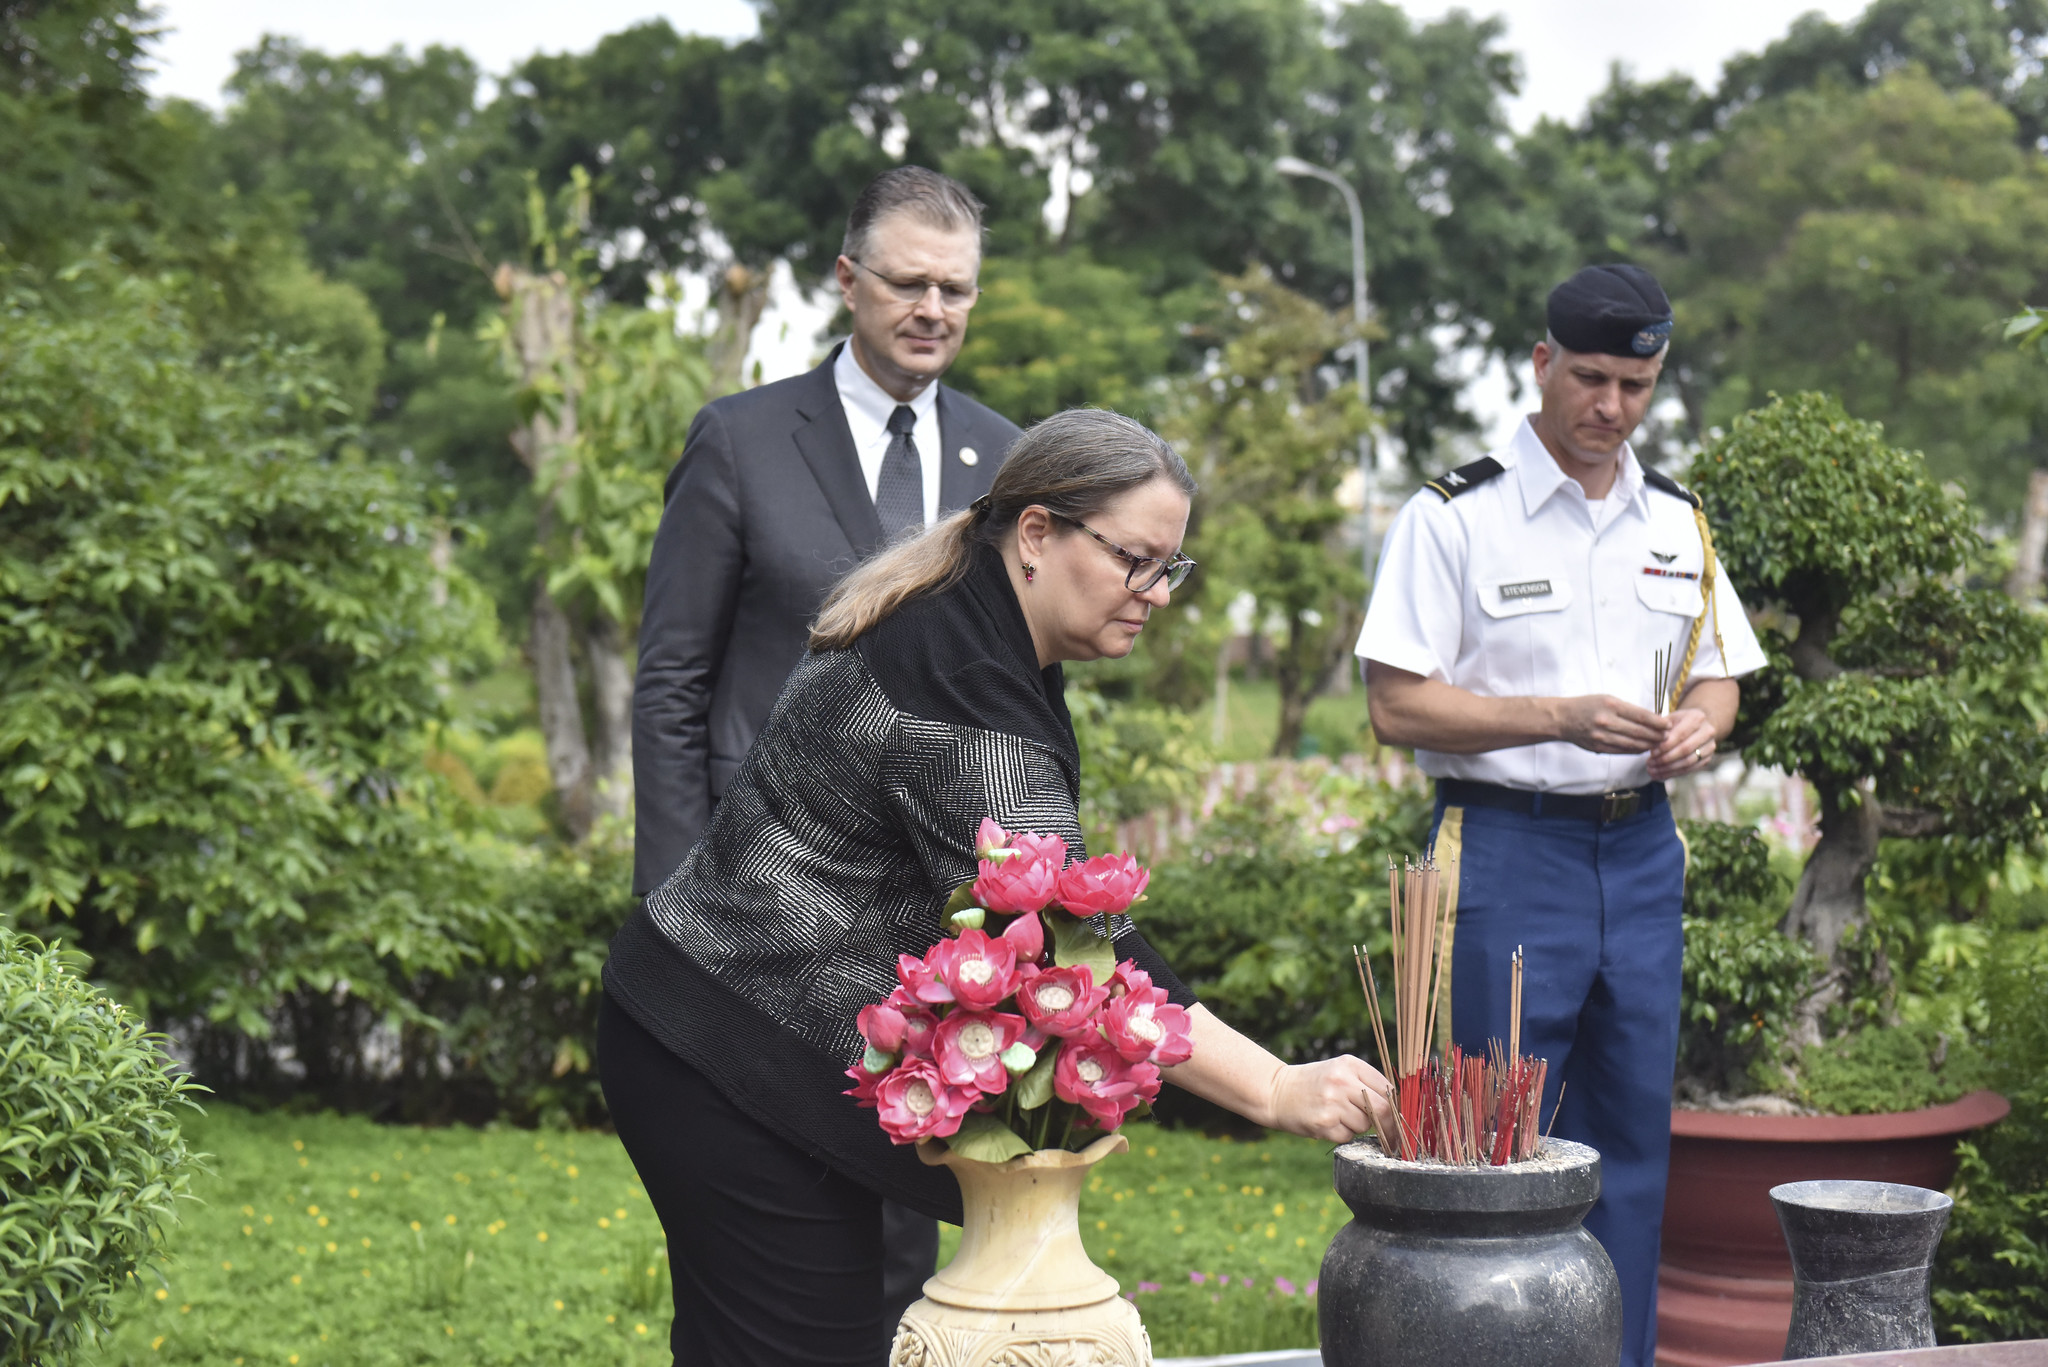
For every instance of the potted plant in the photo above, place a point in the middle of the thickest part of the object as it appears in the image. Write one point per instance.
(1893, 690)
(1013, 1059)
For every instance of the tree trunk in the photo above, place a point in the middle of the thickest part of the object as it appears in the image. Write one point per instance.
(2024, 583)
(541, 313)
(1303, 669)
(1828, 902)
(611, 688)
(742, 297)
(561, 712)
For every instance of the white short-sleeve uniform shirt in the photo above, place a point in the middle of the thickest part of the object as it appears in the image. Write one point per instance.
(1522, 587)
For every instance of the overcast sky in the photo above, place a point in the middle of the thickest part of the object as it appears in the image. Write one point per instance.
(1566, 47)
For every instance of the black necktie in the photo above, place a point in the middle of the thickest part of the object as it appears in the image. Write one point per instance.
(899, 493)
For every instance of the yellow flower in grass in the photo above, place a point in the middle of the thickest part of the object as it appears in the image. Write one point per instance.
(449, 1218)
(558, 1305)
(248, 1210)
(415, 1226)
(162, 1294)
(156, 1343)
(299, 1144)
(542, 1236)
(296, 1279)
(639, 1328)
(312, 1210)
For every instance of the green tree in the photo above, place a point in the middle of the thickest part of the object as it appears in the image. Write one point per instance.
(1868, 244)
(1272, 441)
(225, 641)
(1900, 694)
(384, 168)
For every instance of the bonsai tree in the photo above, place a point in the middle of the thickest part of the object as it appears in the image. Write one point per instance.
(1895, 688)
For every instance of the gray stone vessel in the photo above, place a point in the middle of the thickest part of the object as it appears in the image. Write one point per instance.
(1456, 1266)
(1862, 1253)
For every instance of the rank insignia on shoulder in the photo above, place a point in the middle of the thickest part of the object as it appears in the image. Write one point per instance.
(1465, 478)
(1664, 483)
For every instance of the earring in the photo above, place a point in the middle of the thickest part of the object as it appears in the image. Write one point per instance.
(1030, 570)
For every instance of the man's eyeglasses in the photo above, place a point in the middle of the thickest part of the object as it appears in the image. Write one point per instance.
(953, 296)
(1146, 570)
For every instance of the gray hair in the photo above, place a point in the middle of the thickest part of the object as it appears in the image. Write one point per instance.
(1072, 465)
(933, 199)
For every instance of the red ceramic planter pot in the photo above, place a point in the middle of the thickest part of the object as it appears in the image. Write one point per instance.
(1724, 1288)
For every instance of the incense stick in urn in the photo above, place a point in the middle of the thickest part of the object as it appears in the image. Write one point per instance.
(1454, 1107)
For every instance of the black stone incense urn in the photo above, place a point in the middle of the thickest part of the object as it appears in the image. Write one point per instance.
(1862, 1255)
(1446, 1266)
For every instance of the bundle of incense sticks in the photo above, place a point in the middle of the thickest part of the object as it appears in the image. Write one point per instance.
(1663, 685)
(1455, 1107)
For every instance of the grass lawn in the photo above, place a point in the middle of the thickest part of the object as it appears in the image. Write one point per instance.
(323, 1240)
(1335, 725)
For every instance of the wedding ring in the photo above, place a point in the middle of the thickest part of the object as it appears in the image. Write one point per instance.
(1696, 753)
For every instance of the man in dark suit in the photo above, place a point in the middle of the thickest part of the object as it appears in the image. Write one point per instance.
(780, 491)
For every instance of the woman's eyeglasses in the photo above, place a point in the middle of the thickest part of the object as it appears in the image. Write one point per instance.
(954, 297)
(1146, 570)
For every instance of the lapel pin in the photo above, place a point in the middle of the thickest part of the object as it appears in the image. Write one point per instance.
(969, 456)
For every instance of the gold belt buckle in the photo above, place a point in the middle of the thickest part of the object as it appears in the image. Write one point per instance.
(1620, 806)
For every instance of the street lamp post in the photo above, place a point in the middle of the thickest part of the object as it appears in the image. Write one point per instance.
(1295, 166)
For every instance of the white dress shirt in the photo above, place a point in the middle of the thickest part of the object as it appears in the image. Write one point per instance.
(1516, 589)
(868, 407)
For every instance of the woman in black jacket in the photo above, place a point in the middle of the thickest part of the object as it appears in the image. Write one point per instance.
(931, 698)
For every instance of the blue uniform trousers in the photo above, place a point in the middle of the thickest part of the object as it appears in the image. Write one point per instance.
(1595, 909)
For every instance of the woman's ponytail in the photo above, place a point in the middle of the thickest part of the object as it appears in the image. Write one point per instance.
(1072, 465)
(933, 560)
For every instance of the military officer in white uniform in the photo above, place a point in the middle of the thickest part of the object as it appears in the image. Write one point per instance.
(1522, 606)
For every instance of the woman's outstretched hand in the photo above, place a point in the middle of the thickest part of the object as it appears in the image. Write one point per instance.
(1337, 1099)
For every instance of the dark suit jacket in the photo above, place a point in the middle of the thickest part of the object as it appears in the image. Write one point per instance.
(764, 512)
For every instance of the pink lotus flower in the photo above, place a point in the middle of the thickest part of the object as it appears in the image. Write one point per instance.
(864, 1085)
(1096, 1078)
(1106, 883)
(913, 1102)
(992, 842)
(968, 1048)
(922, 978)
(1027, 934)
(918, 1023)
(1018, 885)
(1144, 1027)
(1060, 1001)
(1040, 849)
(1130, 978)
(978, 970)
(882, 1026)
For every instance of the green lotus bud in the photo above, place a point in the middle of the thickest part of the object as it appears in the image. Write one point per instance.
(970, 919)
(1019, 1058)
(875, 1061)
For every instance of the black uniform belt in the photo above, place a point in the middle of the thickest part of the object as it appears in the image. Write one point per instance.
(1601, 807)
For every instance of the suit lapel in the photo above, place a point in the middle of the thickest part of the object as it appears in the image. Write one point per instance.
(826, 443)
(959, 483)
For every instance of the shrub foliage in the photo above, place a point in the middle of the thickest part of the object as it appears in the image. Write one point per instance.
(224, 639)
(91, 1159)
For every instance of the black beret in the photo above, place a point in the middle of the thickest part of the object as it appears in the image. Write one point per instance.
(1611, 311)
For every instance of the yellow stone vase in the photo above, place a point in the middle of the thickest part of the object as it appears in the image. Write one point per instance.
(1021, 1291)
